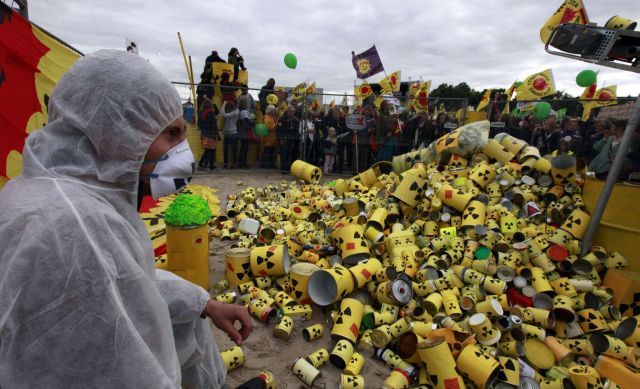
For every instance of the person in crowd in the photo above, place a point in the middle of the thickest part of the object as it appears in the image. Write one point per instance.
(211, 58)
(607, 148)
(81, 301)
(593, 135)
(417, 132)
(245, 95)
(388, 144)
(311, 140)
(330, 149)
(382, 127)
(336, 119)
(237, 61)
(546, 137)
(564, 147)
(205, 88)
(228, 88)
(571, 134)
(268, 159)
(288, 139)
(230, 114)
(439, 129)
(208, 124)
(265, 91)
(245, 125)
(362, 139)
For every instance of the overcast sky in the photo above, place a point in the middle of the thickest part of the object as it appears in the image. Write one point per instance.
(488, 43)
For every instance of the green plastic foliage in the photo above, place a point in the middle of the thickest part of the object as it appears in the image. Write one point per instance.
(188, 210)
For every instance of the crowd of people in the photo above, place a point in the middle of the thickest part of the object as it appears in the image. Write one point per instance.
(321, 137)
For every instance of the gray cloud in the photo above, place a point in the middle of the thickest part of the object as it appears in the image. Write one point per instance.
(487, 43)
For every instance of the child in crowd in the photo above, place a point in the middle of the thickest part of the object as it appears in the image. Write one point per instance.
(208, 134)
(330, 147)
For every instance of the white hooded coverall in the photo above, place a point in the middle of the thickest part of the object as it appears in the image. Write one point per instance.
(81, 304)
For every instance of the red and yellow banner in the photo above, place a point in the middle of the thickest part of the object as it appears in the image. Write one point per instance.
(536, 86)
(31, 62)
(571, 11)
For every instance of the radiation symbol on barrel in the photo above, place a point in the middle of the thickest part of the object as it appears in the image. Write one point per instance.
(633, 306)
(266, 259)
(296, 292)
(353, 380)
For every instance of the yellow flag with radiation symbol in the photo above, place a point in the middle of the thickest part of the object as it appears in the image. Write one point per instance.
(536, 86)
(571, 11)
(421, 98)
(363, 90)
(484, 101)
(391, 83)
(604, 97)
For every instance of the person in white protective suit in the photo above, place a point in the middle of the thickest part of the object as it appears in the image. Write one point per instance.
(81, 304)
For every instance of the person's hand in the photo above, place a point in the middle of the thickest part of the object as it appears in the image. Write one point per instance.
(224, 316)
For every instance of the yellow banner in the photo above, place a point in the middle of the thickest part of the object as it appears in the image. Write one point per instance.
(391, 83)
(571, 11)
(536, 86)
(484, 101)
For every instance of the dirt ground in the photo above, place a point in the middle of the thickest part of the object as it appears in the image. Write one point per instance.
(262, 350)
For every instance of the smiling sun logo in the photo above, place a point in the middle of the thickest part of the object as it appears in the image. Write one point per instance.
(364, 65)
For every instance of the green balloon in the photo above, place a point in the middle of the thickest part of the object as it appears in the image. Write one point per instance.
(290, 60)
(518, 83)
(541, 111)
(261, 129)
(586, 78)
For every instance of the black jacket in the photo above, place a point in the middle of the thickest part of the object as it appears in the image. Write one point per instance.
(287, 128)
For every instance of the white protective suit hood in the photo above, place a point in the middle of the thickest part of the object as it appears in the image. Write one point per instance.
(104, 113)
(81, 303)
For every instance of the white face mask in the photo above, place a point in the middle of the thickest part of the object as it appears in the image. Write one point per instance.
(173, 171)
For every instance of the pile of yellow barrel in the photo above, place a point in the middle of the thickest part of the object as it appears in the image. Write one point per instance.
(459, 272)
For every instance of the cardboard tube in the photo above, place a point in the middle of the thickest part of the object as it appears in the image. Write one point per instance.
(608, 345)
(410, 190)
(512, 348)
(363, 271)
(585, 377)
(305, 371)
(262, 311)
(576, 224)
(436, 355)
(300, 274)
(478, 366)
(482, 327)
(538, 354)
(451, 305)
(232, 358)
(562, 354)
(313, 332)
(350, 381)
(592, 321)
(341, 354)
(352, 245)
(237, 266)
(629, 331)
(355, 364)
(496, 151)
(397, 379)
(318, 358)
(270, 260)
(454, 198)
(284, 328)
(306, 172)
(347, 324)
(329, 285)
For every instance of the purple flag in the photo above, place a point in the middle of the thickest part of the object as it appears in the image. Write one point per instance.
(367, 63)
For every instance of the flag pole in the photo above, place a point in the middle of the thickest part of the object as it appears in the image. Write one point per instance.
(387, 77)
